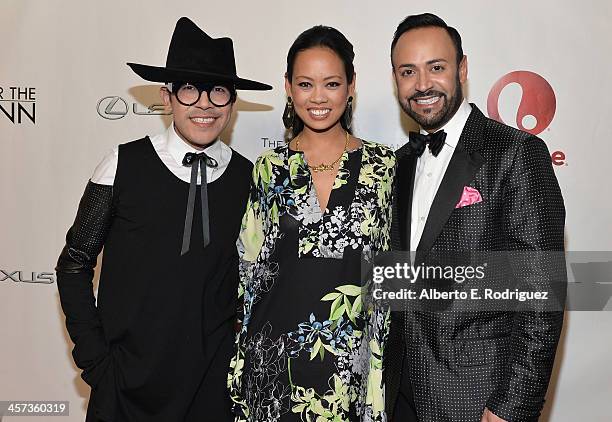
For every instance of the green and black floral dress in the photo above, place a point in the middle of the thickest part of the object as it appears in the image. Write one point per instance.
(309, 348)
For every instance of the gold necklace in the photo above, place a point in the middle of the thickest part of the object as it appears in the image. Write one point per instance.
(324, 167)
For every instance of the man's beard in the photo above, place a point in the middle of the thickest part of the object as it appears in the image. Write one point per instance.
(436, 121)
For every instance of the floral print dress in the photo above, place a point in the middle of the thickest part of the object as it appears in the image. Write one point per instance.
(310, 346)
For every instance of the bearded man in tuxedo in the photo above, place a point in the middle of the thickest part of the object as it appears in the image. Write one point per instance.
(468, 183)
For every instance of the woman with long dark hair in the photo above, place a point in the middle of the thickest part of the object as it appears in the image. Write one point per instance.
(309, 348)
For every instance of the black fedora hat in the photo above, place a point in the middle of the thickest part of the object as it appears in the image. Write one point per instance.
(193, 56)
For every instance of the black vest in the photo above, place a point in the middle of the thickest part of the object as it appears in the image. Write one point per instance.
(166, 315)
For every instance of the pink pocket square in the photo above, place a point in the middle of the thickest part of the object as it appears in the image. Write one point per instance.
(469, 196)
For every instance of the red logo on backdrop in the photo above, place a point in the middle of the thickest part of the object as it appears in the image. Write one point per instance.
(538, 100)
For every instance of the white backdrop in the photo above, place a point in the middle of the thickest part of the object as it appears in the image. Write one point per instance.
(63, 59)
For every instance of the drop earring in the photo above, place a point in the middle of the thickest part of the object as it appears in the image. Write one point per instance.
(288, 114)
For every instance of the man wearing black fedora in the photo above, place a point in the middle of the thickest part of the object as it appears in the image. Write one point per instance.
(167, 210)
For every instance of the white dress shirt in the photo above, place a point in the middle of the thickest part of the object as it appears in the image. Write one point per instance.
(430, 171)
(171, 149)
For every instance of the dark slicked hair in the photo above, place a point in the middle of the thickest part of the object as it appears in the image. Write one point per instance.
(426, 20)
(323, 36)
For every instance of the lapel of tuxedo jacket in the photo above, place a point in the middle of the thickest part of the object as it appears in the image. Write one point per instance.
(462, 168)
(406, 168)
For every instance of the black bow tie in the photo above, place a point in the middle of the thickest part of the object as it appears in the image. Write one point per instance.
(192, 159)
(435, 141)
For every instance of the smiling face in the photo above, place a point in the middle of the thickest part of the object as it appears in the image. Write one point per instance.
(199, 124)
(427, 77)
(319, 88)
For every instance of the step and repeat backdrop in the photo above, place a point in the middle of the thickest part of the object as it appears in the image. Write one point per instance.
(67, 98)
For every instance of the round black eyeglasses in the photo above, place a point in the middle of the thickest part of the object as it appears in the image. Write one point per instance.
(189, 94)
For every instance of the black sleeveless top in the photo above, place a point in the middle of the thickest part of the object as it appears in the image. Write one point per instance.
(165, 315)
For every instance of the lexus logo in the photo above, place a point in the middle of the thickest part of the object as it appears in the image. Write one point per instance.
(114, 108)
(537, 103)
(19, 276)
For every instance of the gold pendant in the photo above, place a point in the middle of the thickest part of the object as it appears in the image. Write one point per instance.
(322, 167)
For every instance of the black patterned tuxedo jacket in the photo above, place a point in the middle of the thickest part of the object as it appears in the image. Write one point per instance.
(456, 362)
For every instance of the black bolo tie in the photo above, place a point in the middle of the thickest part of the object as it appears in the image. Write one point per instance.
(201, 161)
(435, 141)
